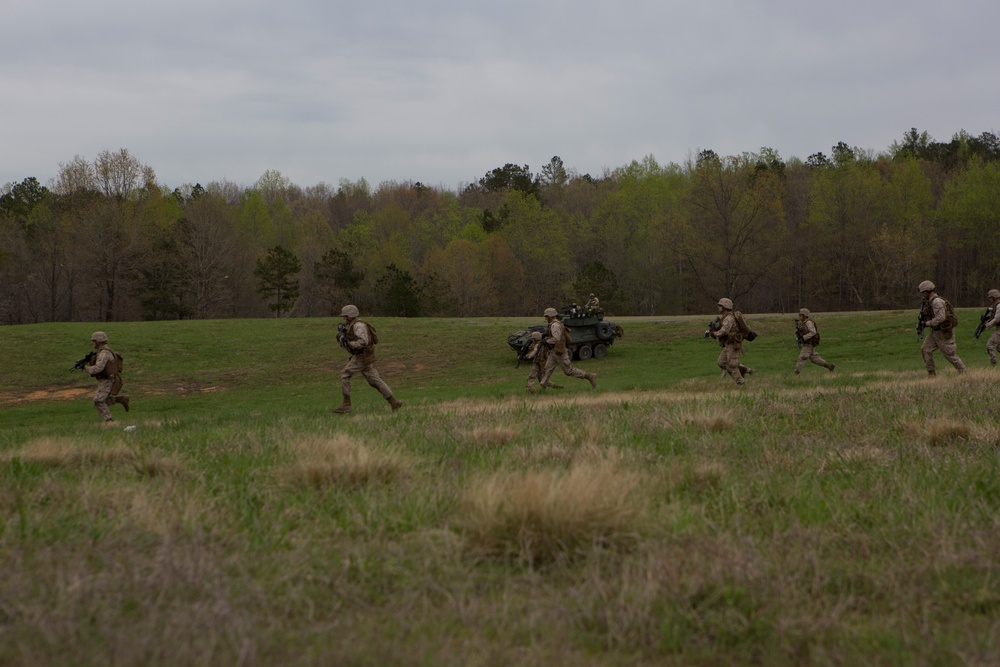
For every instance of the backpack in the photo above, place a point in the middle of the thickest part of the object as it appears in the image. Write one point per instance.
(950, 318)
(372, 335)
(746, 333)
(119, 365)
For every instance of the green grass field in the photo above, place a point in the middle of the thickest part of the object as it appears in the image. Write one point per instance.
(667, 518)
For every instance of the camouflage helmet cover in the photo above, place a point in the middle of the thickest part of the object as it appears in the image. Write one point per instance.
(99, 337)
(926, 286)
(350, 311)
(993, 294)
(726, 303)
(804, 311)
(536, 335)
(550, 312)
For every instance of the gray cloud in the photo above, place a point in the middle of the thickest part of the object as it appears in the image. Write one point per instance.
(442, 91)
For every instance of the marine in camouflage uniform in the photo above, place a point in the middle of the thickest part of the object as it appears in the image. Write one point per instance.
(538, 354)
(594, 305)
(731, 340)
(993, 320)
(934, 315)
(556, 338)
(809, 336)
(358, 339)
(109, 382)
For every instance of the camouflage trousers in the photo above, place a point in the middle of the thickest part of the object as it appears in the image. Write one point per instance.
(729, 362)
(809, 353)
(562, 359)
(357, 365)
(992, 344)
(537, 370)
(949, 350)
(103, 400)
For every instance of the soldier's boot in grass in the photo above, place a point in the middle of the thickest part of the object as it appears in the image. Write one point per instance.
(123, 400)
(345, 407)
(592, 379)
(394, 403)
(931, 373)
(830, 367)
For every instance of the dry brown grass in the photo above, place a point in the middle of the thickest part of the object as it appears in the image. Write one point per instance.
(710, 418)
(65, 452)
(536, 517)
(943, 432)
(342, 461)
(489, 436)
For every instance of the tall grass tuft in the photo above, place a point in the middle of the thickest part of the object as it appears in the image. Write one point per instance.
(341, 461)
(710, 418)
(943, 432)
(66, 452)
(544, 516)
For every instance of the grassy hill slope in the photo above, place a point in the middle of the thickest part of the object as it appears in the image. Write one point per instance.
(665, 518)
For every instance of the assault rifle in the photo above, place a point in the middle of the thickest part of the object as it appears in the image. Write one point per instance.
(982, 322)
(798, 333)
(712, 326)
(342, 329)
(925, 314)
(78, 366)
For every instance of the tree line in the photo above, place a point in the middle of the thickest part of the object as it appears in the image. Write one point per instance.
(855, 230)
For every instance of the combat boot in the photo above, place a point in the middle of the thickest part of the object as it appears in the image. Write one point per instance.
(123, 400)
(394, 403)
(345, 407)
(831, 367)
(592, 379)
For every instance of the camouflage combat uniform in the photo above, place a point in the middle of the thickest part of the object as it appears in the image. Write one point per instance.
(109, 382)
(934, 312)
(808, 352)
(538, 354)
(994, 342)
(362, 349)
(556, 338)
(731, 342)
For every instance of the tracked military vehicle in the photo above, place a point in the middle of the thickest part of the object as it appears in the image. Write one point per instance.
(591, 334)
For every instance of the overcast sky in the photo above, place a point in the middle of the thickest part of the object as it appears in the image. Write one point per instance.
(443, 91)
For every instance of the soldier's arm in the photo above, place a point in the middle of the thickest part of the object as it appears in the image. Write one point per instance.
(810, 330)
(100, 362)
(938, 309)
(996, 318)
(361, 337)
(556, 331)
(724, 327)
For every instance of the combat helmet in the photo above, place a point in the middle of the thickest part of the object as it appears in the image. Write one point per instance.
(99, 337)
(350, 311)
(726, 303)
(926, 286)
(993, 294)
(550, 312)
(804, 311)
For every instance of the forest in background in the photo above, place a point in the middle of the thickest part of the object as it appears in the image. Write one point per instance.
(855, 230)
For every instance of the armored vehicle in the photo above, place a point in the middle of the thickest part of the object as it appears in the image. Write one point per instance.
(591, 334)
